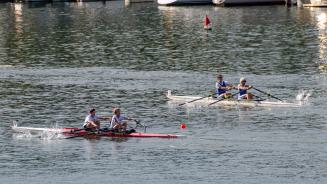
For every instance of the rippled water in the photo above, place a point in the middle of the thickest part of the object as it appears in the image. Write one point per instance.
(58, 60)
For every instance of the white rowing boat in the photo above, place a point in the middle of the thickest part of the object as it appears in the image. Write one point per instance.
(229, 102)
(183, 2)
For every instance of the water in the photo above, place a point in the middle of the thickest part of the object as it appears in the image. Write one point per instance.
(58, 60)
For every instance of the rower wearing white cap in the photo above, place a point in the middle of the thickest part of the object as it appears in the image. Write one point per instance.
(242, 88)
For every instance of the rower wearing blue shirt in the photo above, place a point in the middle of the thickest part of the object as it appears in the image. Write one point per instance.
(222, 87)
(242, 88)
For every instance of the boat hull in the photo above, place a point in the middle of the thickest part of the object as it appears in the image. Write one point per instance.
(247, 2)
(183, 2)
(82, 133)
(228, 102)
(76, 132)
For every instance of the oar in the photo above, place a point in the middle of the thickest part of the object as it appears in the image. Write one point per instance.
(269, 95)
(258, 98)
(223, 99)
(138, 122)
(194, 100)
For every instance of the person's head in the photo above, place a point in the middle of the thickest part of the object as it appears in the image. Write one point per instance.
(220, 77)
(242, 80)
(92, 111)
(116, 111)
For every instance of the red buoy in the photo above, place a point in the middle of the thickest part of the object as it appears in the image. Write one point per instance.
(183, 126)
(207, 23)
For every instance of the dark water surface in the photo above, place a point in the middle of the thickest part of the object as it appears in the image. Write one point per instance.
(58, 60)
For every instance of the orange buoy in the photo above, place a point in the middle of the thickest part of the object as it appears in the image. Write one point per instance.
(207, 23)
(183, 126)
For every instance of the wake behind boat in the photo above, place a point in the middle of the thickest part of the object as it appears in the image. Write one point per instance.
(229, 102)
(76, 132)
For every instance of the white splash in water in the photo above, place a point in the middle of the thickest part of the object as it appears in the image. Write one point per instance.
(52, 133)
(48, 135)
(42, 133)
(303, 95)
(27, 135)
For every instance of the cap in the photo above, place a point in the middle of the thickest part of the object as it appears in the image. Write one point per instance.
(242, 79)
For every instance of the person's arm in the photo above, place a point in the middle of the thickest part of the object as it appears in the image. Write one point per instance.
(126, 119)
(245, 87)
(87, 120)
(218, 86)
(105, 117)
(236, 87)
(129, 119)
(228, 86)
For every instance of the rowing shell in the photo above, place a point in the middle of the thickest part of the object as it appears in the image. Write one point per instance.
(76, 132)
(229, 102)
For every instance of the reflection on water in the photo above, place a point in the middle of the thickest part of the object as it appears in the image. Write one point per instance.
(169, 38)
(89, 147)
(320, 17)
(321, 23)
(17, 10)
(323, 67)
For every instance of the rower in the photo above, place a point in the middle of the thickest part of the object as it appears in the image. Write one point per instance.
(92, 121)
(242, 88)
(222, 87)
(118, 122)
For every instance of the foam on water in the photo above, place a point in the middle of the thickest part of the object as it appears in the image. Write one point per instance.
(303, 95)
(44, 135)
(24, 135)
(48, 135)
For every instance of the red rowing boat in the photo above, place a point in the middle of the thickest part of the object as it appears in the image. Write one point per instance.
(76, 132)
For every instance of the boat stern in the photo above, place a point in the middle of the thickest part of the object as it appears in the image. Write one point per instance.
(14, 124)
(167, 2)
(218, 2)
(168, 93)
